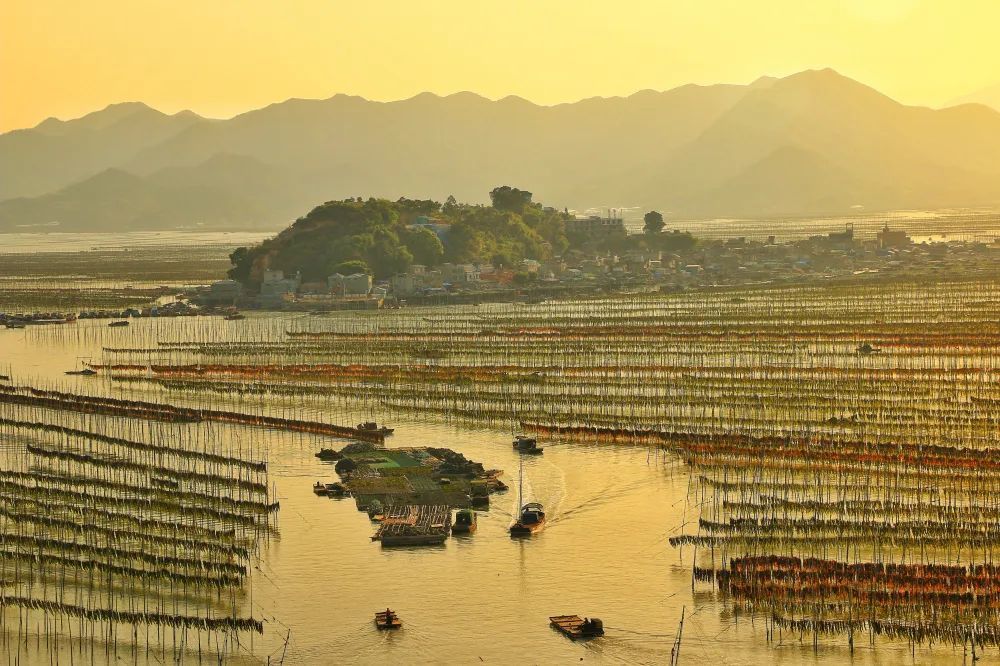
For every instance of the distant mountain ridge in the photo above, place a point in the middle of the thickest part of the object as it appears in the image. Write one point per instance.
(811, 143)
(987, 97)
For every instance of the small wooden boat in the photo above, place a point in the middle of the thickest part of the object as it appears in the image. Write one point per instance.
(465, 522)
(371, 426)
(479, 493)
(574, 627)
(118, 324)
(86, 372)
(527, 445)
(387, 619)
(531, 520)
(320, 488)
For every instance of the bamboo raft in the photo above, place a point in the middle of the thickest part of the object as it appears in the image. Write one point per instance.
(420, 525)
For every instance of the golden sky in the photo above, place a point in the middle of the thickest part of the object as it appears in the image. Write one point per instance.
(64, 58)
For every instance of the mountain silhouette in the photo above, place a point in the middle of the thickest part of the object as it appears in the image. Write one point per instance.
(987, 96)
(811, 143)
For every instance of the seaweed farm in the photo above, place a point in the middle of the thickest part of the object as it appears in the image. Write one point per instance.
(126, 534)
(805, 473)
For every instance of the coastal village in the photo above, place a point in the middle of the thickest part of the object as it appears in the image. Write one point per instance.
(738, 261)
(695, 263)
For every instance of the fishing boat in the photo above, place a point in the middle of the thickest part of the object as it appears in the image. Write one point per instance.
(372, 426)
(531, 519)
(387, 619)
(86, 372)
(319, 488)
(527, 445)
(574, 627)
(479, 493)
(465, 522)
(117, 324)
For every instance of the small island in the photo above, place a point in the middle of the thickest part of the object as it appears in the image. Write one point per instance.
(369, 253)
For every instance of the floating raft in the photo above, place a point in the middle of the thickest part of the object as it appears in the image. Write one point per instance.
(419, 525)
(382, 621)
(574, 626)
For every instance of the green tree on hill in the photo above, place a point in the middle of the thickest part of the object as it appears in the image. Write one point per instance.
(510, 198)
(653, 222)
(424, 245)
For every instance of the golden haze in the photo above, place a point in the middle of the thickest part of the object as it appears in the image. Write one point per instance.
(64, 58)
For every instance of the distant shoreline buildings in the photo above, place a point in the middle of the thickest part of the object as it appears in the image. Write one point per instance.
(707, 263)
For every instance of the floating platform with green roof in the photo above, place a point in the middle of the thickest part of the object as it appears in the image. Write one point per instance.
(413, 476)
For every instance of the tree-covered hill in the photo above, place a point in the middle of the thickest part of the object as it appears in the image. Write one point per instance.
(384, 237)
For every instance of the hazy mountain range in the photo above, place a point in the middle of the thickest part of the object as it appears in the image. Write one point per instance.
(811, 143)
(987, 96)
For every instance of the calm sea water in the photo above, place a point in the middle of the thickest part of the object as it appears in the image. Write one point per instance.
(933, 226)
(483, 598)
(82, 242)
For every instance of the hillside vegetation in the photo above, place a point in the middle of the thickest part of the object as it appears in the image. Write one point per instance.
(384, 238)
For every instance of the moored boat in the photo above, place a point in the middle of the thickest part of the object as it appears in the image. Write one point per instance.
(479, 493)
(372, 426)
(119, 323)
(320, 488)
(465, 522)
(527, 445)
